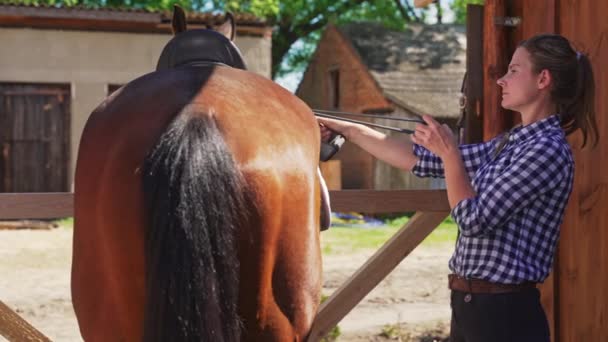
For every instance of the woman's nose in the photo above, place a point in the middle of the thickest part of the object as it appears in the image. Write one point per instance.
(501, 81)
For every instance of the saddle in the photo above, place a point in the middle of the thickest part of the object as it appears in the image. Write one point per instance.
(200, 47)
(206, 47)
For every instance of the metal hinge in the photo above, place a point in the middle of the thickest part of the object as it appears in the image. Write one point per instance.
(507, 21)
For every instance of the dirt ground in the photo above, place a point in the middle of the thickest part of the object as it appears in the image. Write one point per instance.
(412, 304)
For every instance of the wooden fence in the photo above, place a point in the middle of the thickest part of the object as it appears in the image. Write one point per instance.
(431, 207)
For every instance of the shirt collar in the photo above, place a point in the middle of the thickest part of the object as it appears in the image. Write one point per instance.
(524, 132)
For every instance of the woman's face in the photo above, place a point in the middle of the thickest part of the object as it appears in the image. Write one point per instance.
(520, 85)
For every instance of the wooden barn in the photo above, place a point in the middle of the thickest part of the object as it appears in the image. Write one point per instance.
(57, 64)
(367, 68)
(575, 296)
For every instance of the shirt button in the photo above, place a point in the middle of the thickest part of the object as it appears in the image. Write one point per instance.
(467, 298)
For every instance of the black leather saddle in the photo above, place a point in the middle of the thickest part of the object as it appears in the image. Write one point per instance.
(200, 47)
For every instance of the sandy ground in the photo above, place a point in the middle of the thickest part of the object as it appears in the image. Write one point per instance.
(412, 301)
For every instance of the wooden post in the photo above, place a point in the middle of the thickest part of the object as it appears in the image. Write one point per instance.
(332, 173)
(373, 271)
(496, 60)
(15, 328)
(473, 122)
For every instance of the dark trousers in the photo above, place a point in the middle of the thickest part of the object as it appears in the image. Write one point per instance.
(505, 317)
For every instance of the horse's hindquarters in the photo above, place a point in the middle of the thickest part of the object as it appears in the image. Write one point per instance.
(274, 144)
(280, 259)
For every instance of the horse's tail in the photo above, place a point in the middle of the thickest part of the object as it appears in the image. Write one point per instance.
(194, 200)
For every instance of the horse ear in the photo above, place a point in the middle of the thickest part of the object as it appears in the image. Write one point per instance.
(228, 28)
(178, 23)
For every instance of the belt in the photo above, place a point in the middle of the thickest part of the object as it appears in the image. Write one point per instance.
(456, 282)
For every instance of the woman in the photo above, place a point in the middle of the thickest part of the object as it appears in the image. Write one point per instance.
(507, 195)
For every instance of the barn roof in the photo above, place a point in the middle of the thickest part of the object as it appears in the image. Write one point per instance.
(419, 69)
(116, 19)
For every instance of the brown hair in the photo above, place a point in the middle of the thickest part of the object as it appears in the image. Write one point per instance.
(573, 85)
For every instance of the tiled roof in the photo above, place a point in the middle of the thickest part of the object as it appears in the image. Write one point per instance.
(419, 69)
(119, 14)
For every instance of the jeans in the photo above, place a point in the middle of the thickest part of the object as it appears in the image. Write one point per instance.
(505, 317)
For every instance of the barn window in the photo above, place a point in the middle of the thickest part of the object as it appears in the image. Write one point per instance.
(334, 88)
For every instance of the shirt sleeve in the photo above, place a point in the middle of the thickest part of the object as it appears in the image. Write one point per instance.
(538, 169)
(428, 164)
(473, 156)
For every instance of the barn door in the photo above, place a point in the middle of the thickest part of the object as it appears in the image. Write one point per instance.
(34, 137)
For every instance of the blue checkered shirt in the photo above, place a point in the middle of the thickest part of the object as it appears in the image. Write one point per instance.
(509, 230)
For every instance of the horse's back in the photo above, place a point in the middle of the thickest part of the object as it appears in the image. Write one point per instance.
(274, 141)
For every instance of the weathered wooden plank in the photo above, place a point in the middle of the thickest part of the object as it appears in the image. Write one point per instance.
(15, 328)
(373, 271)
(473, 123)
(583, 251)
(332, 173)
(36, 205)
(389, 201)
(53, 205)
(35, 137)
(538, 17)
(495, 62)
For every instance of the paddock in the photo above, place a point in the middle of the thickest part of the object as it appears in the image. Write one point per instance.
(431, 207)
(574, 296)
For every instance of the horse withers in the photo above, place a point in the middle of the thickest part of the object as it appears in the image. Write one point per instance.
(197, 203)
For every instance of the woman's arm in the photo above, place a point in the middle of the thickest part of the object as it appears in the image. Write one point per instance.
(457, 181)
(440, 140)
(394, 150)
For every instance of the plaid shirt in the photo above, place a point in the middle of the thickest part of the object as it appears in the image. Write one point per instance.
(508, 232)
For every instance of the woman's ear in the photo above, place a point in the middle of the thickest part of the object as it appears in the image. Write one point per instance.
(178, 23)
(544, 79)
(228, 28)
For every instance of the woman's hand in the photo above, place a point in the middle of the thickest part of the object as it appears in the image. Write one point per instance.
(330, 126)
(440, 140)
(394, 150)
(435, 137)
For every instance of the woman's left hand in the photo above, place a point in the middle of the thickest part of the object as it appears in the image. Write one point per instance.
(435, 137)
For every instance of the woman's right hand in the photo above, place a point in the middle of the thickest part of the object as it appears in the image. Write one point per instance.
(330, 127)
(395, 150)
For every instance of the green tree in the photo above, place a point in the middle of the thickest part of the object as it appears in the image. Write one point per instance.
(460, 9)
(303, 20)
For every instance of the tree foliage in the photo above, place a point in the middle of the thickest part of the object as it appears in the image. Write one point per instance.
(460, 9)
(293, 20)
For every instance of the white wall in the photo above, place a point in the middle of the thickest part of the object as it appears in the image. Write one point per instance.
(89, 61)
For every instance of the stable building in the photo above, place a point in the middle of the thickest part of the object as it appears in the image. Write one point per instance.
(368, 68)
(57, 64)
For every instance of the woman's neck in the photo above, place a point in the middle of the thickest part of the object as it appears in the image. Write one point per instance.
(538, 111)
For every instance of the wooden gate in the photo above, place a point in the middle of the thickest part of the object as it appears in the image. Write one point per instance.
(34, 137)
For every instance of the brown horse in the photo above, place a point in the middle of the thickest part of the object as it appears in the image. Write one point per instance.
(197, 204)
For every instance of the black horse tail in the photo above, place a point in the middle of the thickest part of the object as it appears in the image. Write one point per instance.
(195, 205)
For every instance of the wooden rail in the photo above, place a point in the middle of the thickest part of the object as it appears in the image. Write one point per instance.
(60, 204)
(36, 205)
(373, 271)
(431, 207)
(15, 328)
